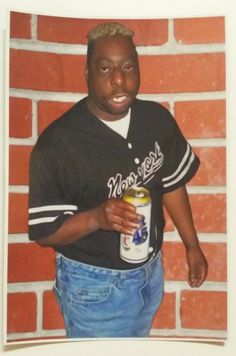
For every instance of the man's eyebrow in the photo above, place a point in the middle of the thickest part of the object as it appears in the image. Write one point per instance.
(100, 59)
(108, 59)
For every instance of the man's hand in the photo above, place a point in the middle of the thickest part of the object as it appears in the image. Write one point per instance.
(113, 214)
(197, 266)
(178, 206)
(117, 215)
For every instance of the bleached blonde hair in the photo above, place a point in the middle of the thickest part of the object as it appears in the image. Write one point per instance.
(107, 29)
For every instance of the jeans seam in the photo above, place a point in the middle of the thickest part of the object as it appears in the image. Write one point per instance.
(142, 287)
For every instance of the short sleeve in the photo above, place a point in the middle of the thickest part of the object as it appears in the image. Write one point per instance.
(49, 203)
(181, 163)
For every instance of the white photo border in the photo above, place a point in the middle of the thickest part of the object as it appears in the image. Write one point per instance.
(123, 9)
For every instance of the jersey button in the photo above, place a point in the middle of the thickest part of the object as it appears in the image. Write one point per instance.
(136, 160)
(130, 145)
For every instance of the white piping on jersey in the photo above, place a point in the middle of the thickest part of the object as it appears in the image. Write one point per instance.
(52, 208)
(182, 174)
(47, 219)
(180, 165)
(42, 220)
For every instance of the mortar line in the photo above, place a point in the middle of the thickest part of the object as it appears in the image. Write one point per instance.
(69, 96)
(34, 121)
(39, 321)
(34, 27)
(178, 310)
(171, 47)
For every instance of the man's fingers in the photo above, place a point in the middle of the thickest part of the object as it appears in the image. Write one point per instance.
(126, 212)
(118, 215)
(124, 226)
(197, 278)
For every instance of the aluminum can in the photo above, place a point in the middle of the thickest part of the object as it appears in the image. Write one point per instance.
(135, 249)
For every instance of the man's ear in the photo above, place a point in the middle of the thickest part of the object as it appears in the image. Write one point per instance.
(86, 71)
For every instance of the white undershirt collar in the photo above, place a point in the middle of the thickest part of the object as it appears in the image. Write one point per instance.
(120, 126)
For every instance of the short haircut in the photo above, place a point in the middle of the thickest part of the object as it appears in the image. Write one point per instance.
(107, 29)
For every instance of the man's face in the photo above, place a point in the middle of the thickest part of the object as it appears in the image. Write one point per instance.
(112, 77)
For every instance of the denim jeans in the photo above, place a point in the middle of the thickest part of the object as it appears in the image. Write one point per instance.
(99, 302)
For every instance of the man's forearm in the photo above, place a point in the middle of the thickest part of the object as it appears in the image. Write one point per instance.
(113, 215)
(74, 228)
(178, 207)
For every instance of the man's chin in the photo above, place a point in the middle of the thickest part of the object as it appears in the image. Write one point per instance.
(118, 110)
(118, 114)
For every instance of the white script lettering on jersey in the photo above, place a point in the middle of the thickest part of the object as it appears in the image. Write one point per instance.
(145, 172)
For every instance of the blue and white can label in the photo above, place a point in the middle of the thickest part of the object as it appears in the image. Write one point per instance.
(135, 249)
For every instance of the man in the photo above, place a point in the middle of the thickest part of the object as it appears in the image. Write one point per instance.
(80, 167)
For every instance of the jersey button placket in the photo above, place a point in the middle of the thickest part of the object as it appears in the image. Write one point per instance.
(136, 159)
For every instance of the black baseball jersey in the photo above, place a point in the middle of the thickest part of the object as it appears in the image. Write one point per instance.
(78, 162)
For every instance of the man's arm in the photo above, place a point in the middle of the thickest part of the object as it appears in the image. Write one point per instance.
(177, 205)
(113, 214)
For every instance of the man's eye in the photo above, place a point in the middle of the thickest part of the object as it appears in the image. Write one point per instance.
(128, 67)
(104, 69)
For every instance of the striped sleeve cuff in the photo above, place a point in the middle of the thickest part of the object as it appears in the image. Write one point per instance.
(184, 171)
(45, 219)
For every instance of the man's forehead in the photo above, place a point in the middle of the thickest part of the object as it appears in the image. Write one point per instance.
(106, 45)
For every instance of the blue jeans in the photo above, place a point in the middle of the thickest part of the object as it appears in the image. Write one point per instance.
(100, 302)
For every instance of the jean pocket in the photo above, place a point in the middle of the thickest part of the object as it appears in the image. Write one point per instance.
(78, 286)
(79, 289)
(89, 295)
(97, 294)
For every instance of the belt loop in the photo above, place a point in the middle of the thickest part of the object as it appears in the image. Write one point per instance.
(58, 260)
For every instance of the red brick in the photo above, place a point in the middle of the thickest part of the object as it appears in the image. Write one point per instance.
(21, 312)
(52, 317)
(204, 310)
(200, 30)
(174, 261)
(174, 73)
(71, 30)
(182, 73)
(48, 111)
(165, 316)
(149, 32)
(166, 105)
(169, 226)
(20, 25)
(216, 255)
(28, 262)
(19, 157)
(20, 112)
(201, 119)
(18, 213)
(47, 71)
(175, 265)
(209, 212)
(212, 171)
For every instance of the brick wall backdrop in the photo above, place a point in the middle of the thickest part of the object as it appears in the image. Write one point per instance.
(183, 67)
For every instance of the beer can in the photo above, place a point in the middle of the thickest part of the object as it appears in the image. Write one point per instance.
(135, 249)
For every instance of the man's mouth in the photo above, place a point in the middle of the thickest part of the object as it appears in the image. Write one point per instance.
(119, 99)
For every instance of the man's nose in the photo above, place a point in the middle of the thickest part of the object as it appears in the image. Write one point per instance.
(118, 77)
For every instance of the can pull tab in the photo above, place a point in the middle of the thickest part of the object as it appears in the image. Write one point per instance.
(139, 194)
